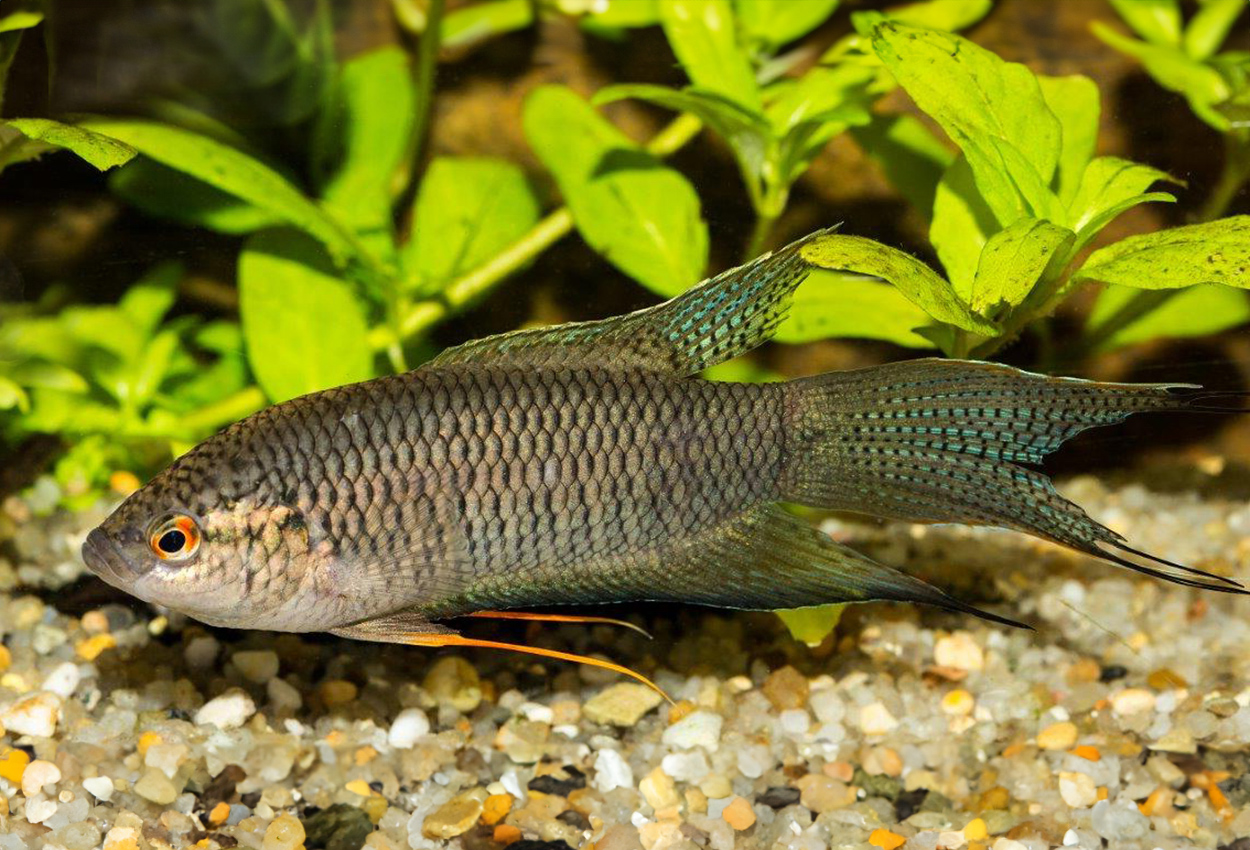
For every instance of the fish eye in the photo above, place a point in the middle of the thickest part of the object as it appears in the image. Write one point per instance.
(174, 538)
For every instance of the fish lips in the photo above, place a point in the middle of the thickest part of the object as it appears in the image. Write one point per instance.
(103, 557)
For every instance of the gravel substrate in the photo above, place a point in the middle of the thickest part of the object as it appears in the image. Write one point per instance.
(1124, 721)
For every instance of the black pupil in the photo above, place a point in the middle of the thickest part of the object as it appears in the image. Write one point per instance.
(172, 541)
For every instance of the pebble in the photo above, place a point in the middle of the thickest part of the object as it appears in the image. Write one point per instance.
(455, 817)
(228, 711)
(658, 790)
(1132, 701)
(201, 651)
(689, 766)
(63, 680)
(154, 785)
(521, 740)
(13, 764)
(886, 840)
(876, 719)
(256, 665)
(612, 771)
(697, 729)
(285, 833)
(622, 704)
(824, 794)
(1077, 790)
(960, 651)
(409, 726)
(337, 692)
(1057, 736)
(100, 787)
(454, 681)
(1119, 821)
(739, 814)
(34, 715)
(40, 810)
(38, 775)
(1176, 740)
(957, 703)
(786, 688)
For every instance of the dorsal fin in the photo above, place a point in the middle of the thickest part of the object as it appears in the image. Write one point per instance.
(715, 321)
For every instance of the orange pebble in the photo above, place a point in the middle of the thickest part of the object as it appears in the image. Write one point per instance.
(739, 814)
(13, 765)
(364, 755)
(1087, 752)
(496, 808)
(679, 710)
(506, 833)
(146, 741)
(886, 840)
(219, 813)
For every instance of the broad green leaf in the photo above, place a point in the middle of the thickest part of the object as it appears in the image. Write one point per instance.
(233, 172)
(53, 376)
(12, 396)
(805, 140)
(147, 301)
(99, 150)
(164, 192)
(304, 328)
(994, 111)
(777, 22)
(702, 35)
(913, 278)
(375, 112)
(467, 211)
(949, 15)
(145, 376)
(22, 19)
(468, 25)
(1013, 260)
(962, 224)
(817, 93)
(813, 624)
(641, 215)
(1195, 311)
(837, 304)
(1157, 21)
(1107, 183)
(912, 158)
(1202, 85)
(1211, 252)
(1075, 102)
(1210, 26)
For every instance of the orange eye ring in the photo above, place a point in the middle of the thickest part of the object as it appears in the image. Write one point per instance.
(176, 538)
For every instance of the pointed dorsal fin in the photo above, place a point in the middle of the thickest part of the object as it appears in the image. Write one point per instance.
(715, 321)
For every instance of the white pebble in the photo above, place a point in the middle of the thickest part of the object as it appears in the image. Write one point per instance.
(537, 712)
(228, 711)
(959, 650)
(283, 695)
(410, 725)
(35, 715)
(38, 811)
(63, 680)
(38, 774)
(690, 766)
(795, 721)
(1077, 790)
(256, 665)
(612, 771)
(697, 729)
(876, 719)
(202, 651)
(1119, 821)
(100, 787)
(1132, 701)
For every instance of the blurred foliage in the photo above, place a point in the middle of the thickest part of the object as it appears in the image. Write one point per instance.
(353, 247)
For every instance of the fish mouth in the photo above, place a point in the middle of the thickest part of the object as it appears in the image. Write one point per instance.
(103, 558)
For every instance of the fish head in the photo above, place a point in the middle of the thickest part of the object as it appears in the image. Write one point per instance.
(204, 538)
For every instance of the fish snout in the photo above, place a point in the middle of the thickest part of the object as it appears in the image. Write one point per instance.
(103, 557)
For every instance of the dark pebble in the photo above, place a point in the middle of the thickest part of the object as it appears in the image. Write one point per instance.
(1112, 672)
(778, 797)
(909, 802)
(221, 788)
(552, 784)
(573, 818)
(339, 827)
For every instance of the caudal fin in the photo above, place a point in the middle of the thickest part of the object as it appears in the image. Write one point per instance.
(943, 441)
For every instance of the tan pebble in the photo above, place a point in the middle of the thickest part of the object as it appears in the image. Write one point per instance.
(1165, 679)
(876, 719)
(375, 807)
(154, 785)
(957, 703)
(739, 814)
(716, 787)
(285, 833)
(696, 801)
(824, 794)
(1132, 701)
(996, 798)
(454, 681)
(883, 760)
(1083, 670)
(256, 665)
(658, 790)
(842, 770)
(1077, 790)
(959, 650)
(95, 622)
(1057, 736)
(122, 838)
(786, 688)
(622, 704)
(38, 775)
(336, 692)
(656, 835)
(1176, 740)
(455, 817)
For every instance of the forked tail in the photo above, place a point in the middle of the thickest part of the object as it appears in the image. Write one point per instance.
(951, 441)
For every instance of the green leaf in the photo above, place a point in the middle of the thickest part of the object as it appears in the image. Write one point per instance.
(623, 14)
(1013, 260)
(962, 224)
(1075, 102)
(304, 328)
(994, 111)
(53, 376)
(467, 211)
(812, 625)
(1202, 85)
(1157, 21)
(163, 192)
(147, 301)
(99, 150)
(641, 215)
(701, 33)
(912, 158)
(913, 278)
(1210, 26)
(818, 93)
(232, 172)
(836, 304)
(1196, 311)
(777, 22)
(375, 111)
(469, 25)
(949, 15)
(1108, 184)
(1211, 252)
(22, 19)
(12, 396)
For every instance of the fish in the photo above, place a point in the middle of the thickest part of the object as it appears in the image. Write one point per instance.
(589, 463)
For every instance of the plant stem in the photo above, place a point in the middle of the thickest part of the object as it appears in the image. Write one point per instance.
(1233, 177)
(759, 235)
(423, 79)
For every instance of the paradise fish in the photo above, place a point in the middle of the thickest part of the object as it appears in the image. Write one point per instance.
(588, 463)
